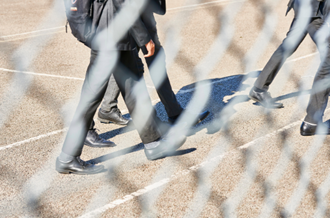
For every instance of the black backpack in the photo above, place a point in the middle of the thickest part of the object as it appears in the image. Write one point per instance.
(83, 17)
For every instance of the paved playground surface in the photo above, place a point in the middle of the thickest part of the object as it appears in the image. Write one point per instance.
(218, 167)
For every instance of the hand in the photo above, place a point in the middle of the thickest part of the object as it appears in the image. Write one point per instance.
(150, 46)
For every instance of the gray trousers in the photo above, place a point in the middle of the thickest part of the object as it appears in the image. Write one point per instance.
(285, 50)
(318, 98)
(110, 99)
(128, 71)
(321, 85)
(164, 91)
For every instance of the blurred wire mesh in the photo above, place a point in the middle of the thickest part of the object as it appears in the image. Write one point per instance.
(99, 203)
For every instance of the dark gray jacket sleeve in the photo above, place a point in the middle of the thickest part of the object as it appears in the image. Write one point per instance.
(140, 33)
(138, 30)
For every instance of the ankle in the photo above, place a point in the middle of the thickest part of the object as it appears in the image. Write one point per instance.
(258, 90)
(65, 158)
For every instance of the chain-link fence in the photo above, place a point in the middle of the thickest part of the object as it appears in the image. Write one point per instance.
(251, 161)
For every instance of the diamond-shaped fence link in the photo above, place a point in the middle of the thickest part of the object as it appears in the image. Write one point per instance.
(227, 144)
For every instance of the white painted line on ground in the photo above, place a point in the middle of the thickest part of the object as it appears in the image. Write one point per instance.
(32, 139)
(41, 74)
(203, 4)
(300, 58)
(249, 144)
(28, 36)
(50, 75)
(32, 32)
(162, 182)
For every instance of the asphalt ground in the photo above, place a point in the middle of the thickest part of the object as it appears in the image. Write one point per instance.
(218, 171)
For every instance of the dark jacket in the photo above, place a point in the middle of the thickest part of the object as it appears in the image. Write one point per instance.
(136, 36)
(147, 16)
(316, 5)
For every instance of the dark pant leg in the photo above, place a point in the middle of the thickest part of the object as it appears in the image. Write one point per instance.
(95, 84)
(92, 125)
(320, 94)
(321, 84)
(289, 45)
(110, 99)
(164, 90)
(128, 74)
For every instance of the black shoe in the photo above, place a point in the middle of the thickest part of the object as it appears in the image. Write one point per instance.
(265, 99)
(112, 116)
(94, 140)
(162, 148)
(78, 166)
(308, 129)
(200, 117)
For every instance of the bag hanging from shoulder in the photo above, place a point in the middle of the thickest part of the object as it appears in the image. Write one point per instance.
(83, 17)
(161, 7)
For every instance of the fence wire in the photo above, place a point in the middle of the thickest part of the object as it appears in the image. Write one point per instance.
(200, 95)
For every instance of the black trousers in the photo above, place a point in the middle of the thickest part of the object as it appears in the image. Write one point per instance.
(127, 69)
(164, 90)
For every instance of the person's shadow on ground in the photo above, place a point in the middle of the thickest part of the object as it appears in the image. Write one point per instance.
(222, 91)
(221, 88)
(221, 96)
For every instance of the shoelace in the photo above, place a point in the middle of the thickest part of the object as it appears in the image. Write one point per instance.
(83, 163)
(117, 110)
(96, 136)
(94, 133)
